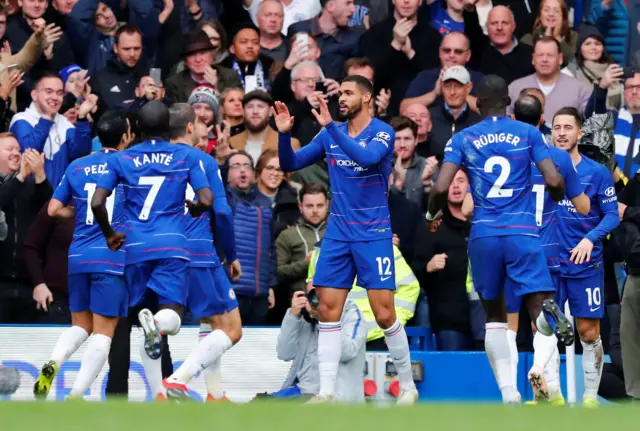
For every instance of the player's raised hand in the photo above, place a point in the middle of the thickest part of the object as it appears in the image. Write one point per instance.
(582, 252)
(236, 270)
(116, 240)
(284, 120)
(324, 116)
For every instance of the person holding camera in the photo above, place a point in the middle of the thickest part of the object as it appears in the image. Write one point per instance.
(298, 343)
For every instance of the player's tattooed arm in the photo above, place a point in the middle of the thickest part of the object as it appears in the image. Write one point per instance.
(101, 215)
(552, 178)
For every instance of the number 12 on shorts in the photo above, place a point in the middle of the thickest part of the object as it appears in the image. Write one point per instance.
(384, 266)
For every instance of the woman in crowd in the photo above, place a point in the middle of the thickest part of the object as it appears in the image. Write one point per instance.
(232, 110)
(593, 65)
(273, 184)
(553, 20)
(217, 37)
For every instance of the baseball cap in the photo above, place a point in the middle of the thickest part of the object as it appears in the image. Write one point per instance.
(492, 87)
(457, 73)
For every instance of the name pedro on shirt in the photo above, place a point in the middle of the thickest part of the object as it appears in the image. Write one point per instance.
(96, 169)
(162, 158)
(494, 138)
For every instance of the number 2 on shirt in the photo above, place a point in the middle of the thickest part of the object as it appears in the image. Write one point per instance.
(90, 188)
(496, 190)
(155, 183)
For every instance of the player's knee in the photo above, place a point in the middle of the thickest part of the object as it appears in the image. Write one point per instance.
(385, 317)
(235, 334)
(588, 333)
(329, 312)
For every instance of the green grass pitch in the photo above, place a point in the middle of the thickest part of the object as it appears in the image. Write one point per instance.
(278, 416)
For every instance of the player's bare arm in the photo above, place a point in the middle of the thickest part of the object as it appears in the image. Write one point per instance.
(582, 204)
(58, 209)
(552, 178)
(115, 240)
(440, 190)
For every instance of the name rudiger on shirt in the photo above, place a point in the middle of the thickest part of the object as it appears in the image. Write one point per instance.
(495, 138)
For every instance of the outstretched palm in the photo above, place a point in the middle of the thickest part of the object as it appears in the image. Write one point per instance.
(284, 120)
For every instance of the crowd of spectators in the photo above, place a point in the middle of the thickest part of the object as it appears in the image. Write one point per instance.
(63, 63)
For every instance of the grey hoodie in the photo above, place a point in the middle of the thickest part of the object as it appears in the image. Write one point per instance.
(298, 342)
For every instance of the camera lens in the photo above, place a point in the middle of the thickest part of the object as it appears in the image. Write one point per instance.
(313, 299)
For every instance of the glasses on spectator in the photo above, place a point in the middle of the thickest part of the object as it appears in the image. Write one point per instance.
(236, 166)
(272, 169)
(307, 80)
(456, 51)
(630, 88)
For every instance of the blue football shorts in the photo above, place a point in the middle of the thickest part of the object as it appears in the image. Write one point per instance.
(585, 295)
(210, 292)
(157, 282)
(101, 293)
(340, 262)
(515, 265)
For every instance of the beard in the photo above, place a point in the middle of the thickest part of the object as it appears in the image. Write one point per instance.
(352, 112)
(257, 128)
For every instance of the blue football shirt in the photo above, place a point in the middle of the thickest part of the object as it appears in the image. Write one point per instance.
(574, 226)
(155, 175)
(547, 209)
(359, 209)
(88, 252)
(498, 153)
(200, 239)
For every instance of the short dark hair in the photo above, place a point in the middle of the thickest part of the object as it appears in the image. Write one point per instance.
(241, 153)
(180, 115)
(312, 189)
(111, 126)
(128, 29)
(401, 122)
(358, 62)
(527, 92)
(547, 39)
(364, 85)
(572, 112)
(528, 109)
(48, 74)
(154, 120)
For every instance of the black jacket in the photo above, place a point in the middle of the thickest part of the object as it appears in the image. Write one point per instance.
(286, 211)
(18, 32)
(446, 290)
(20, 203)
(444, 126)
(116, 83)
(487, 59)
(306, 127)
(406, 217)
(394, 70)
(625, 240)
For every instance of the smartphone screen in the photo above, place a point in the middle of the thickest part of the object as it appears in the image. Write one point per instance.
(156, 75)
